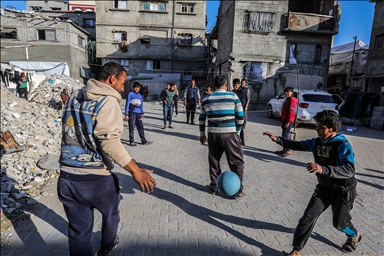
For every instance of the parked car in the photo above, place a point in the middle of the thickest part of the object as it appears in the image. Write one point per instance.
(310, 103)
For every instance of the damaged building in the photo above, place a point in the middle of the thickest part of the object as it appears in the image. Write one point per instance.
(35, 38)
(274, 44)
(157, 42)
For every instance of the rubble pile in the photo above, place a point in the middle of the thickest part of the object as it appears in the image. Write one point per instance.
(48, 92)
(36, 127)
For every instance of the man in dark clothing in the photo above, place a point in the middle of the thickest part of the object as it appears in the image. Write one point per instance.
(191, 99)
(169, 98)
(241, 94)
(91, 133)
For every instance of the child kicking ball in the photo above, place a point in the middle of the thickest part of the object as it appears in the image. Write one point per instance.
(335, 171)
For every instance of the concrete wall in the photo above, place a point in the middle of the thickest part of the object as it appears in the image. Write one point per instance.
(47, 5)
(238, 47)
(164, 29)
(375, 62)
(65, 48)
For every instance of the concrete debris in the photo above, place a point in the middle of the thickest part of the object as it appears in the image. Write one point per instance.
(36, 127)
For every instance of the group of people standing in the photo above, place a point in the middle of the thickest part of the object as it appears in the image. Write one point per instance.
(91, 137)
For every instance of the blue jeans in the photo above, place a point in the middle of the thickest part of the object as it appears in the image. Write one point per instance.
(168, 110)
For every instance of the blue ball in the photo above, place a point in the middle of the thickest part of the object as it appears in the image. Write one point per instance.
(228, 183)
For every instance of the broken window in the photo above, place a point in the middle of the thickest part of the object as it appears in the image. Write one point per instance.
(260, 21)
(186, 39)
(46, 34)
(80, 41)
(145, 39)
(152, 64)
(120, 4)
(120, 36)
(125, 64)
(37, 8)
(89, 22)
(153, 37)
(8, 33)
(292, 54)
(154, 6)
(379, 41)
(188, 8)
(256, 73)
(317, 54)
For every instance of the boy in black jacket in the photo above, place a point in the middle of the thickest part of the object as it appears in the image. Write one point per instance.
(335, 171)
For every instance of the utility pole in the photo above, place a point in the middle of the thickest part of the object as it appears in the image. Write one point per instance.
(353, 55)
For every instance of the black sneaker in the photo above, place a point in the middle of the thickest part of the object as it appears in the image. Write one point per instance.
(147, 143)
(132, 144)
(211, 190)
(107, 253)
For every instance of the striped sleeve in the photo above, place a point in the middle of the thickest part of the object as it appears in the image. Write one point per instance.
(239, 114)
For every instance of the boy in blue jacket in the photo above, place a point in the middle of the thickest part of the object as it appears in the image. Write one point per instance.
(134, 114)
(335, 171)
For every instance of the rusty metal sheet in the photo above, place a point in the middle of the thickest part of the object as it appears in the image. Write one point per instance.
(310, 23)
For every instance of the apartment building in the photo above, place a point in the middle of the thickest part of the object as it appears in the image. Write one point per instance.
(83, 13)
(162, 41)
(55, 40)
(274, 44)
(375, 63)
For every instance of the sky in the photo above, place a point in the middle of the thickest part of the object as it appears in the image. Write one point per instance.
(356, 18)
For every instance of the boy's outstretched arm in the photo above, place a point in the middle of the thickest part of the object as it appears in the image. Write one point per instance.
(270, 135)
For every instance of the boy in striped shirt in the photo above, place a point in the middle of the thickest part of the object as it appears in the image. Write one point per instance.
(225, 120)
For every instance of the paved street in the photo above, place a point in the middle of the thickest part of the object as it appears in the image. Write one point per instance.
(181, 218)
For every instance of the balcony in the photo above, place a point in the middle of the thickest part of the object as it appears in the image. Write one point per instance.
(312, 23)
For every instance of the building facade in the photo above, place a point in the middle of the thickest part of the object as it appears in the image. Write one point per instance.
(163, 40)
(83, 13)
(375, 63)
(56, 40)
(52, 5)
(274, 44)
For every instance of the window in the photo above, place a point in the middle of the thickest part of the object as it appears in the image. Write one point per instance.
(185, 39)
(153, 37)
(318, 98)
(89, 22)
(379, 41)
(153, 6)
(120, 36)
(80, 41)
(8, 33)
(55, 9)
(46, 34)
(120, 4)
(317, 54)
(152, 64)
(125, 64)
(189, 8)
(260, 21)
(37, 8)
(145, 39)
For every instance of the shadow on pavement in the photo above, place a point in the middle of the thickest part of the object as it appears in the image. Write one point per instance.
(27, 231)
(205, 214)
